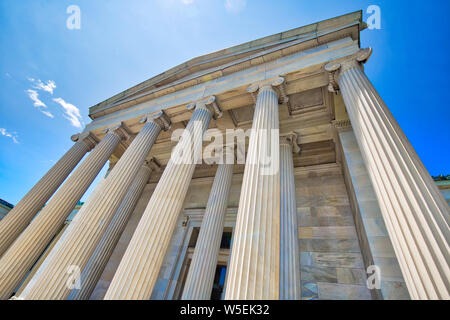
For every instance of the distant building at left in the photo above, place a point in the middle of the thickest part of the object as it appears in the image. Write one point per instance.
(5, 207)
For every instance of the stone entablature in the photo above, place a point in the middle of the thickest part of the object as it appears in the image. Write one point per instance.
(231, 60)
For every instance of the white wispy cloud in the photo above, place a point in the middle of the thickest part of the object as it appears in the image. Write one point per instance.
(13, 136)
(49, 86)
(235, 6)
(34, 96)
(48, 161)
(72, 113)
(187, 2)
(47, 113)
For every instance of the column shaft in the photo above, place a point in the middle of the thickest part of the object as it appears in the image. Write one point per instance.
(41, 260)
(254, 271)
(97, 262)
(415, 213)
(24, 252)
(289, 258)
(85, 232)
(139, 268)
(20, 216)
(200, 279)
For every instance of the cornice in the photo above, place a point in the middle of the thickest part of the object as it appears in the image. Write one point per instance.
(265, 49)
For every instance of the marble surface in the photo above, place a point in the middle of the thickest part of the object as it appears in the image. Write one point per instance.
(376, 245)
(332, 265)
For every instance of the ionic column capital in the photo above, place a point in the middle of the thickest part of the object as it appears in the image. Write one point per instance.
(75, 137)
(291, 139)
(253, 90)
(118, 130)
(153, 164)
(335, 69)
(87, 137)
(277, 84)
(280, 85)
(160, 118)
(209, 104)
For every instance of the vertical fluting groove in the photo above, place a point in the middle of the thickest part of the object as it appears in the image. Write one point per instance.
(425, 227)
(289, 258)
(254, 270)
(21, 215)
(85, 232)
(200, 279)
(139, 268)
(97, 262)
(415, 213)
(391, 221)
(24, 252)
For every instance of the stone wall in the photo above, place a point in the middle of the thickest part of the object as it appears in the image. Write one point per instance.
(372, 233)
(444, 187)
(332, 267)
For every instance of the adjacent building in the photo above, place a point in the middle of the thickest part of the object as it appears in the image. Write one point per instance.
(5, 207)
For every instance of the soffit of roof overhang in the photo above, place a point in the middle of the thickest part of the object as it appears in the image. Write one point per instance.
(210, 66)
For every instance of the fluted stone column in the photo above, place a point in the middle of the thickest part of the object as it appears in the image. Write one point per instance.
(85, 232)
(289, 249)
(415, 213)
(24, 252)
(41, 260)
(254, 271)
(97, 262)
(200, 279)
(139, 268)
(20, 216)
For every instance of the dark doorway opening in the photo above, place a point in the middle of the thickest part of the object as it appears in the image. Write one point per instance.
(219, 281)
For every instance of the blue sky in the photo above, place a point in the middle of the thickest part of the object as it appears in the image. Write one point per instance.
(122, 43)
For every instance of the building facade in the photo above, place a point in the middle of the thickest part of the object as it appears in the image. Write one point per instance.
(443, 184)
(5, 207)
(324, 199)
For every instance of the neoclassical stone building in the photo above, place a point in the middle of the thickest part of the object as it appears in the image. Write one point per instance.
(349, 213)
